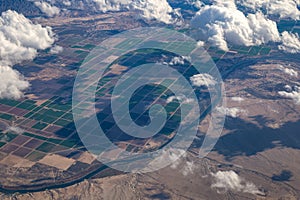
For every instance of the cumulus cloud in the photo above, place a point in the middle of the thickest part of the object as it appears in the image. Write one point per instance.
(67, 3)
(182, 99)
(200, 43)
(159, 10)
(20, 40)
(288, 71)
(223, 23)
(48, 9)
(149, 9)
(178, 162)
(238, 99)
(168, 156)
(225, 3)
(188, 168)
(281, 8)
(56, 49)
(179, 60)
(288, 88)
(230, 180)
(291, 93)
(12, 83)
(15, 129)
(196, 3)
(290, 42)
(231, 112)
(203, 80)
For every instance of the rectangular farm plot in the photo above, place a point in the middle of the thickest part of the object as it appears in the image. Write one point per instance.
(22, 152)
(18, 111)
(9, 102)
(5, 116)
(68, 116)
(4, 108)
(8, 148)
(35, 136)
(45, 115)
(62, 122)
(45, 147)
(35, 156)
(69, 143)
(87, 158)
(16, 161)
(57, 161)
(20, 140)
(27, 105)
(7, 137)
(43, 118)
(60, 107)
(40, 126)
(33, 143)
(2, 144)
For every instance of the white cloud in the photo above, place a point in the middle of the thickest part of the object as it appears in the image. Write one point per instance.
(238, 99)
(225, 3)
(231, 112)
(264, 30)
(252, 4)
(203, 80)
(291, 94)
(168, 156)
(196, 3)
(281, 8)
(200, 43)
(178, 160)
(179, 60)
(290, 42)
(223, 23)
(288, 88)
(176, 157)
(20, 39)
(12, 83)
(149, 9)
(188, 168)
(159, 10)
(67, 3)
(14, 129)
(181, 99)
(229, 180)
(56, 49)
(48, 9)
(288, 71)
